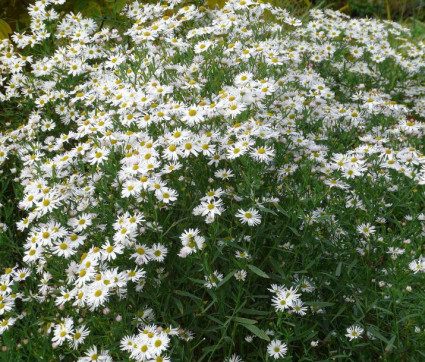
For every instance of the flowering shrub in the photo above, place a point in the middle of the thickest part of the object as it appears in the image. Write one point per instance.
(225, 185)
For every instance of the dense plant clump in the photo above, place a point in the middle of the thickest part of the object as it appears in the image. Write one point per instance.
(226, 185)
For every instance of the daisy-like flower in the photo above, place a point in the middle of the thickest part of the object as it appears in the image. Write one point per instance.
(93, 354)
(306, 286)
(110, 252)
(158, 252)
(98, 156)
(131, 188)
(213, 194)
(47, 204)
(213, 279)
(212, 207)
(97, 295)
(125, 233)
(142, 254)
(6, 323)
(354, 332)
(5, 286)
(299, 308)
(188, 236)
(233, 358)
(64, 249)
(224, 174)
(166, 195)
(6, 305)
(234, 109)
(285, 298)
(80, 223)
(127, 343)
(243, 78)
(202, 46)
(160, 343)
(63, 331)
(193, 116)
(292, 21)
(366, 229)
(135, 274)
(33, 254)
(240, 275)
(281, 302)
(236, 150)
(277, 349)
(251, 217)
(79, 336)
(417, 266)
(263, 154)
(66, 296)
(21, 274)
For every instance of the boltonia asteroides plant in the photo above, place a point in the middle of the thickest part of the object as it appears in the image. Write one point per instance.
(211, 184)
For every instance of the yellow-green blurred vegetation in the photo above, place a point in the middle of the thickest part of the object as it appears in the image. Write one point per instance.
(14, 16)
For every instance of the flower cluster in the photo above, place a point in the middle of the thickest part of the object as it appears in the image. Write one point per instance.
(166, 168)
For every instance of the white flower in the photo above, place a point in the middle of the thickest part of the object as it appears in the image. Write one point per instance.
(212, 207)
(354, 332)
(299, 308)
(213, 279)
(224, 174)
(97, 295)
(251, 217)
(233, 358)
(63, 331)
(277, 349)
(158, 252)
(240, 275)
(366, 229)
(6, 323)
(418, 265)
(166, 195)
(98, 156)
(202, 46)
(79, 336)
(285, 298)
(109, 252)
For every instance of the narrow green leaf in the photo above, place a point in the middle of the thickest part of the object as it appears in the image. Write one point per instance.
(351, 266)
(218, 321)
(187, 294)
(387, 311)
(319, 304)
(267, 210)
(226, 278)
(338, 269)
(408, 317)
(179, 305)
(257, 271)
(257, 331)
(390, 344)
(253, 311)
(197, 281)
(244, 320)
(377, 334)
(295, 231)
(281, 209)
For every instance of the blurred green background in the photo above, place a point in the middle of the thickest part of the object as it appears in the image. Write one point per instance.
(411, 12)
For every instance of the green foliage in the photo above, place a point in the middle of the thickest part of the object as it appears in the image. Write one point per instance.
(5, 29)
